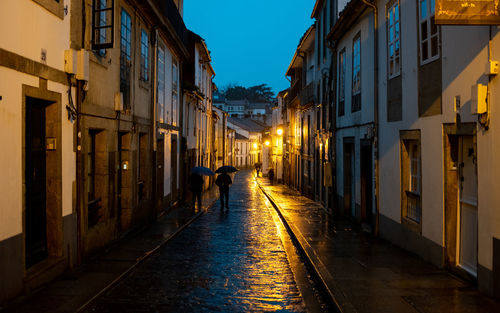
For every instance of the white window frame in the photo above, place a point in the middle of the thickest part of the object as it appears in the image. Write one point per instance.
(175, 91)
(427, 17)
(161, 82)
(393, 40)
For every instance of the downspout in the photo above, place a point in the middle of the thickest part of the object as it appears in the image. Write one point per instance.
(79, 163)
(153, 122)
(375, 113)
(333, 126)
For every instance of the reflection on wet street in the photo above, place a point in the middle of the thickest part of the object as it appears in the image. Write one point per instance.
(230, 261)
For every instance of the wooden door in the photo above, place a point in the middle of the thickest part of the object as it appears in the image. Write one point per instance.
(35, 178)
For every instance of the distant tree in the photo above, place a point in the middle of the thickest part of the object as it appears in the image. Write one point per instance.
(260, 92)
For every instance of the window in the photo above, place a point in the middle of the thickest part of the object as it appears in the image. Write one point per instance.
(144, 56)
(342, 70)
(175, 91)
(356, 74)
(411, 176)
(102, 25)
(429, 37)
(393, 40)
(125, 56)
(161, 84)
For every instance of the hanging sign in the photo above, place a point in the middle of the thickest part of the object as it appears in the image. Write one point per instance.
(467, 12)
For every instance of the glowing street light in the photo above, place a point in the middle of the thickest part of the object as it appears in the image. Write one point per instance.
(279, 131)
(267, 143)
(255, 146)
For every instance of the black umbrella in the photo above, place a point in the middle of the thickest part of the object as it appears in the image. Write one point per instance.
(226, 169)
(201, 170)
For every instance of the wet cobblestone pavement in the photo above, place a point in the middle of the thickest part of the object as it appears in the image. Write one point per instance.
(230, 261)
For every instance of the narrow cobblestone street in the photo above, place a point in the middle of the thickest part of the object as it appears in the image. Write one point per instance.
(232, 261)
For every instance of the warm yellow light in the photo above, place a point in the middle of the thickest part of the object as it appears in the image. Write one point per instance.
(266, 143)
(279, 131)
(255, 146)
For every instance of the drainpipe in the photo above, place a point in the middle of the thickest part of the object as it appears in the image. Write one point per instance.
(375, 113)
(153, 122)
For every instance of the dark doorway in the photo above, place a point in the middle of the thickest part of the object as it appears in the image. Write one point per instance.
(35, 178)
(160, 149)
(366, 183)
(348, 176)
(173, 166)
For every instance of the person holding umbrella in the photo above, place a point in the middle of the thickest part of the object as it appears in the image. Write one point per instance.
(196, 183)
(223, 181)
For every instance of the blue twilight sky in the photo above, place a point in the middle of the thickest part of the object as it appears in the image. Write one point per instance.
(251, 41)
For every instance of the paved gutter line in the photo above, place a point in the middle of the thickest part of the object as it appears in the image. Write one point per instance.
(143, 258)
(337, 297)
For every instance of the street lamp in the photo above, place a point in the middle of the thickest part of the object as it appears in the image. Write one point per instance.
(267, 143)
(255, 146)
(279, 131)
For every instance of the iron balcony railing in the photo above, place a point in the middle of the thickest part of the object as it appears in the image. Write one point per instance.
(307, 94)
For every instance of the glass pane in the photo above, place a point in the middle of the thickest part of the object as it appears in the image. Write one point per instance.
(434, 46)
(391, 67)
(434, 29)
(433, 6)
(396, 44)
(396, 30)
(391, 36)
(396, 12)
(423, 30)
(391, 22)
(423, 9)
(391, 50)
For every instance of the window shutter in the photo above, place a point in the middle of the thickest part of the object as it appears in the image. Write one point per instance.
(102, 24)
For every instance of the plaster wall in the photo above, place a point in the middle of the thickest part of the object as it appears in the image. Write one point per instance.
(365, 115)
(11, 130)
(464, 52)
(21, 19)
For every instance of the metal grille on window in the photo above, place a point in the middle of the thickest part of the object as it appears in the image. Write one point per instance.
(102, 25)
(413, 203)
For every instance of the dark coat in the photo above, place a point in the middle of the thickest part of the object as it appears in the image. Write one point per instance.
(196, 183)
(223, 181)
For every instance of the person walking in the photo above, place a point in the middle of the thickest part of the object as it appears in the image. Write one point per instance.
(223, 181)
(196, 187)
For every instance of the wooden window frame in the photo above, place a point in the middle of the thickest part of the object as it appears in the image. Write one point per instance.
(97, 10)
(429, 21)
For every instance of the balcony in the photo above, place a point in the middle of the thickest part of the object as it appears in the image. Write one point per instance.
(307, 94)
(170, 11)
